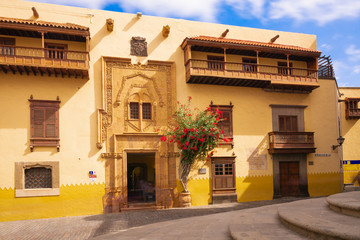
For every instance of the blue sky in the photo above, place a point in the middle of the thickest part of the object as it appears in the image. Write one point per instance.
(335, 22)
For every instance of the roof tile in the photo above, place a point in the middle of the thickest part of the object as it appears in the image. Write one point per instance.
(251, 43)
(43, 23)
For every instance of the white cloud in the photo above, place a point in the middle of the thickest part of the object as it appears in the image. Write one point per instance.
(93, 4)
(205, 10)
(246, 8)
(320, 11)
(325, 47)
(357, 69)
(353, 53)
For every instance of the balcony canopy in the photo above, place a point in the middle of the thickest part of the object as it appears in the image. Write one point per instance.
(237, 46)
(51, 30)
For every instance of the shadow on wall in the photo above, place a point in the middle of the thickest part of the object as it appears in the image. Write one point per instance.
(129, 25)
(65, 88)
(258, 184)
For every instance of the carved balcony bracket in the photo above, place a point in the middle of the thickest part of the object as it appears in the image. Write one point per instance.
(110, 24)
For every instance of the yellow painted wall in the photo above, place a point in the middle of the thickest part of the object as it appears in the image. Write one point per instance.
(80, 99)
(350, 131)
(74, 200)
(323, 184)
(254, 188)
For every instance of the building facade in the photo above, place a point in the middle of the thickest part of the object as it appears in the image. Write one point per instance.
(350, 114)
(83, 93)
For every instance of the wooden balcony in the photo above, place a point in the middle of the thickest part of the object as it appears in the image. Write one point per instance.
(44, 61)
(352, 110)
(291, 142)
(250, 75)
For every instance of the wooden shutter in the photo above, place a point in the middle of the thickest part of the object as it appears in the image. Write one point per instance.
(50, 122)
(38, 122)
(44, 122)
(227, 123)
(288, 124)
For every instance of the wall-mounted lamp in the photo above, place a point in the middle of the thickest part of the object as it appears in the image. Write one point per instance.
(340, 141)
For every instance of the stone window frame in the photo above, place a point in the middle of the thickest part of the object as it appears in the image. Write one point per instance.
(140, 114)
(21, 191)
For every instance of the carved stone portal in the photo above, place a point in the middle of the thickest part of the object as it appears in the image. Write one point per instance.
(138, 46)
(124, 134)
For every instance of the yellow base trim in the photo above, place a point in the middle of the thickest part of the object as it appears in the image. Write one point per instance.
(254, 188)
(350, 172)
(74, 200)
(200, 189)
(323, 184)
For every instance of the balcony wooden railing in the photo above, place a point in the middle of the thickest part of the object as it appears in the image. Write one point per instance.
(291, 142)
(43, 61)
(198, 70)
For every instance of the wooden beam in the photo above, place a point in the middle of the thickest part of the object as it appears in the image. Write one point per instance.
(4, 69)
(12, 70)
(38, 28)
(26, 70)
(19, 70)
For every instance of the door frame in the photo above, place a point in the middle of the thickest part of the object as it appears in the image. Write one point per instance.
(215, 160)
(302, 160)
(125, 171)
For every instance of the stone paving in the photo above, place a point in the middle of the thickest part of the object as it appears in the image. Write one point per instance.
(85, 227)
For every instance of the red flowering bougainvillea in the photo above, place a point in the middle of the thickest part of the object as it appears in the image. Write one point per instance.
(196, 135)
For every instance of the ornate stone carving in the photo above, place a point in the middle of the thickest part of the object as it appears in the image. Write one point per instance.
(166, 31)
(138, 46)
(111, 155)
(169, 154)
(110, 24)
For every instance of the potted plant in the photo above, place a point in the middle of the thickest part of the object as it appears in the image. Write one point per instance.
(196, 134)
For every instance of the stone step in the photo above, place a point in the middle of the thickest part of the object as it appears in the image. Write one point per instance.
(346, 203)
(141, 207)
(224, 198)
(313, 218)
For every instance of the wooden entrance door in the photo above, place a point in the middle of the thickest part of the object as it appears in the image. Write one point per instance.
(289, 179)
(223, 176)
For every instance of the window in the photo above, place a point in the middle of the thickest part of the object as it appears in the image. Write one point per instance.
(146, 111)
(223, 174)
(224, 169)
(288, 124)
(135, 110)
(283, 69)
(56, 51)
(7, 46)
(44, 122)
(250, 64)
(37, 179)
(226, 124)
(215, 62)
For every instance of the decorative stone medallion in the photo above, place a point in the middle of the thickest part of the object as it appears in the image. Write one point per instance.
(138, 46)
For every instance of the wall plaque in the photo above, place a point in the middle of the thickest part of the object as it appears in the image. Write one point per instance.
(138, 46)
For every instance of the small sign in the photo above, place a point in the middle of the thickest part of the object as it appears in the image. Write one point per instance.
(92, 176)
(322, 155)
(202, 170)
